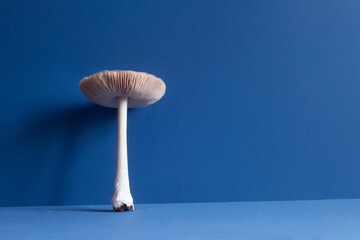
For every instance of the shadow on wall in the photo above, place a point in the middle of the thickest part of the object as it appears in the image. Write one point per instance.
(43, 152)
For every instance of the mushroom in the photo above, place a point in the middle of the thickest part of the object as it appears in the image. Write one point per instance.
(122, 90)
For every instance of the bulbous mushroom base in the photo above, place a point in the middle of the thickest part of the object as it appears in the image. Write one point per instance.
(122, 204)
(124, 207)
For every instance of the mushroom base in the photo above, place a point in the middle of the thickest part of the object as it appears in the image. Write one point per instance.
(124, 207)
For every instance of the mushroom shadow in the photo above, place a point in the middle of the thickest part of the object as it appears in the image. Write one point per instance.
(94, 210)
(73, 209)
(39, 154)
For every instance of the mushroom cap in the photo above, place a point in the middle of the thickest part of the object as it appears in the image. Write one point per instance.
(104, 88)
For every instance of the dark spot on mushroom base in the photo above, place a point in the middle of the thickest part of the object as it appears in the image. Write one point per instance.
(123, 208)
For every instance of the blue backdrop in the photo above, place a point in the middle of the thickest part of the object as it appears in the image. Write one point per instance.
(262, 100)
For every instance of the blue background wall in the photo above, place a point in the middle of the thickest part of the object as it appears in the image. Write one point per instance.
(262, 100)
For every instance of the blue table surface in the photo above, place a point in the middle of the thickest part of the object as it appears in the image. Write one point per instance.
(285, 220)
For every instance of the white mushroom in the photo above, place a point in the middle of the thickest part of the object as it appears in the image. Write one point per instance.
(122, 90)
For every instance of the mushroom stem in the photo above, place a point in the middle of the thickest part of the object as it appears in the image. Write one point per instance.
(122, 199)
